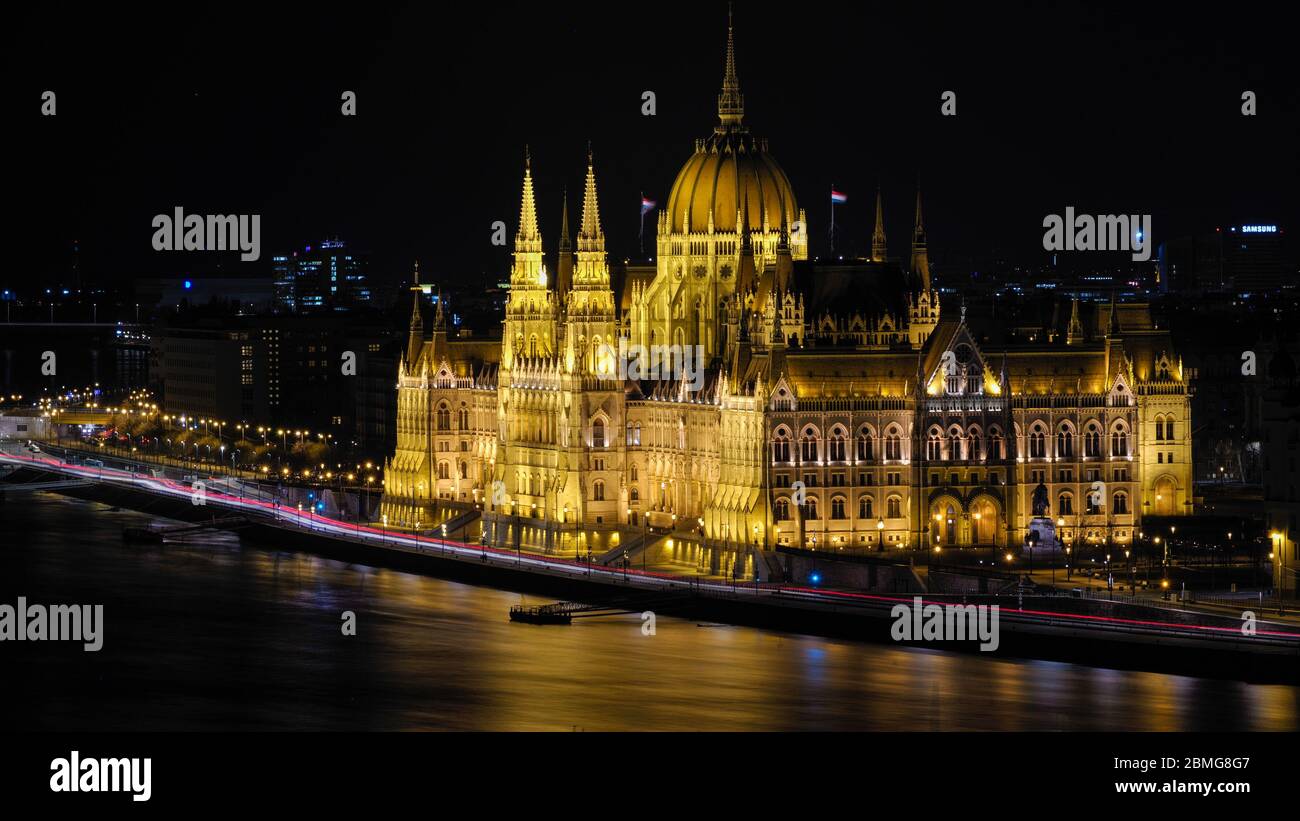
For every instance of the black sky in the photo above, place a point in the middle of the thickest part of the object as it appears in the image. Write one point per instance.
(231, 109)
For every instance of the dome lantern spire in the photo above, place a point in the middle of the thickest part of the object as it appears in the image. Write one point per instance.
(731, 103)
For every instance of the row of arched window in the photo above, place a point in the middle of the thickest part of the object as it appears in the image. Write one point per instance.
(838, 447)
(839, 508)
(1065, 504)
(1066, 445)
(444, 417)
(954, 444)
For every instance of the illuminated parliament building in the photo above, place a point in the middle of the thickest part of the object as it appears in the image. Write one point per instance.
(841, 406)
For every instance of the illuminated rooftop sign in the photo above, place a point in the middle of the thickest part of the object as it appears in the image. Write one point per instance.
(1259, 229)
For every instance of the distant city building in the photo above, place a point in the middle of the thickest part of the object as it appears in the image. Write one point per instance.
(1239, 258)
(325, 277)
(320, 373)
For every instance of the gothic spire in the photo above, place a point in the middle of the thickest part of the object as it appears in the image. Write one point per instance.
(1074, 333)
(878, 249)
(416, 339)
(590, 237)
(565, 242)
(920, 249)
(529, 235)
(731, 103)
(564, 266)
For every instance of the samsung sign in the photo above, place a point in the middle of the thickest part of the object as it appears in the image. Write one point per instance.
(1259, 229)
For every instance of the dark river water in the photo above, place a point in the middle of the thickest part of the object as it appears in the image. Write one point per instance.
(212, 635)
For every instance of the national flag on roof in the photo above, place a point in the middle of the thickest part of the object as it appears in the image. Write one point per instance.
(647, 205)
(838, 197)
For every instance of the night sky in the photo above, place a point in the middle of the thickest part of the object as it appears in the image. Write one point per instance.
(229, 109)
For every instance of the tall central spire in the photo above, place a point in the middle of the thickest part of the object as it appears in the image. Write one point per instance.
(731, 103)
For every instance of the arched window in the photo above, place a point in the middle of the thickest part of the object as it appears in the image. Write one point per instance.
(810, 508)
(444, 417)
(1065, 442)
(630, 441)
(839, 451)
(598, 434)
(956, 445)
(1037, 443)
(864, 445)
(1118, 442)
(781, 510)
(808, 447)
(995, 444)
(462, 418)
(1092, 440)
(781, 447)
(1092, 502)
(634, 495)
(464, 470)
(893, 445)
(444, 470)
(866, 508)
(1169, 430)
(837, 508)
(633, 473)
(1120, 504)
(1160, 429)
(895, 507)
(598, 491)
(934, 446)
(1065, 505)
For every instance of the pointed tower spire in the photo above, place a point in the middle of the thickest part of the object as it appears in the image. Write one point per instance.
(593, 266)
(1074, 333)
(878, 249)
(416, 340)
(590, 237)
(528, 270)
(1114, 318)
(528, 231)
(731, 103)
(564, 266)
(920, 249)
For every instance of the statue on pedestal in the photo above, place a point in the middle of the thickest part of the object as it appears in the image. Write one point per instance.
(1040, 502)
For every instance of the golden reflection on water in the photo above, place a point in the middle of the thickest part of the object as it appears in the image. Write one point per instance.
(253, 641)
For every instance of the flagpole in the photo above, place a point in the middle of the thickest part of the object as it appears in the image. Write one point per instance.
(832, 219)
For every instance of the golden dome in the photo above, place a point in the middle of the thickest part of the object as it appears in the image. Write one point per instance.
(731, 175)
